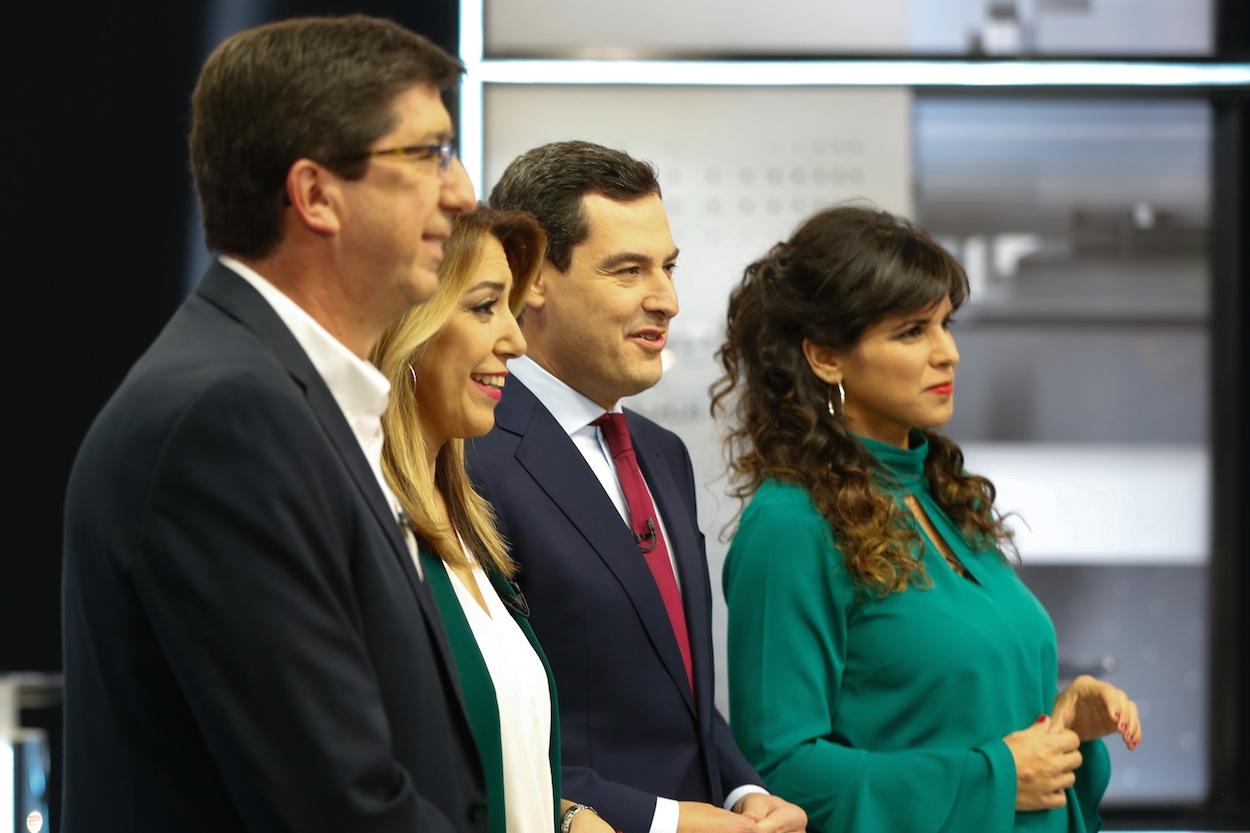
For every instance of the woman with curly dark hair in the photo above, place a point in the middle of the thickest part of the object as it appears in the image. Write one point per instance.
(888, 670)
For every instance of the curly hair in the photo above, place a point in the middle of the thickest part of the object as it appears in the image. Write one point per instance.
(843, 270)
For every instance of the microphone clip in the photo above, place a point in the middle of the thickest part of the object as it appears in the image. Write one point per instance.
(516, 601)
(646, 540)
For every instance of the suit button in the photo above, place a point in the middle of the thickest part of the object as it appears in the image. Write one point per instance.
(477, 812)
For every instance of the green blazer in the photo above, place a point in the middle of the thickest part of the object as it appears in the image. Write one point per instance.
(479, 691)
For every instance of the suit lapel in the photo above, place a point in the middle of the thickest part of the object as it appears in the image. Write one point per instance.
(551, 458)
(226, 290)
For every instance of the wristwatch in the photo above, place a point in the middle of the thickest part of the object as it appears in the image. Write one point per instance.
(566, 821)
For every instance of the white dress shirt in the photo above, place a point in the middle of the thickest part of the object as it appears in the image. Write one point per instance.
(521, 691)
(358, 387)
(575, 412)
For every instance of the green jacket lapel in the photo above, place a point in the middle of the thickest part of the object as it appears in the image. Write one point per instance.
(519, 608)
(478, 689)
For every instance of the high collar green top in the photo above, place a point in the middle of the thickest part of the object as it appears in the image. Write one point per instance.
(887, 714)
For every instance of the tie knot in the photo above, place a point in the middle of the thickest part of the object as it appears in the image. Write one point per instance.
(616, 431)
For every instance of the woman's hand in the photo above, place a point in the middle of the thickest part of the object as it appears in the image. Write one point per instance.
(1093, 708)
(584, 821)
(588, 821)
(1046, 757)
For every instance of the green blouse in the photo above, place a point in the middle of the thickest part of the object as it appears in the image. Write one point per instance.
(888, 714)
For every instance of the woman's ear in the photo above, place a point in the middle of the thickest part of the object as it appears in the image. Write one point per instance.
(825, 362)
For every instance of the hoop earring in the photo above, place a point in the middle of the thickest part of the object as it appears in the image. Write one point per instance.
(841, 400)
(413, 373)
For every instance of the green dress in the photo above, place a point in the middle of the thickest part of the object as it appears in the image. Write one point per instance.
(888, 714)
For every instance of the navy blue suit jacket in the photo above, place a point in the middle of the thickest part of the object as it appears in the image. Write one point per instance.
(248, 645)
(631, 730)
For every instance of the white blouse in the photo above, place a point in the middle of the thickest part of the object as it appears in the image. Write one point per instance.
(524, 705)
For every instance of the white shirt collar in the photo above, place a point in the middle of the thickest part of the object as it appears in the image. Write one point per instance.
(358, 387)
(573, 410)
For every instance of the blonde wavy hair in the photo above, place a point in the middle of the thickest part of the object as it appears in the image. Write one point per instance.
(402, 345)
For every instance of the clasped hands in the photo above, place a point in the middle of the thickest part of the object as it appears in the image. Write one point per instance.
(1046, 754)
(755, 813)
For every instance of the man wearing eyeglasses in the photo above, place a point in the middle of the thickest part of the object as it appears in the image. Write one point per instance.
(249, 644)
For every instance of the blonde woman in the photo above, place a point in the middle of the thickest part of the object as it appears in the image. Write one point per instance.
(447, 364)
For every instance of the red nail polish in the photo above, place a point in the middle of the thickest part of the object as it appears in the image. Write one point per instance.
(1042, 718)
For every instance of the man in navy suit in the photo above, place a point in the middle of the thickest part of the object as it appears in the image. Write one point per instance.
(249, 644)
(599, 506)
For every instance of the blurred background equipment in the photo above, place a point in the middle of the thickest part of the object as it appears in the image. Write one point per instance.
(25, 756)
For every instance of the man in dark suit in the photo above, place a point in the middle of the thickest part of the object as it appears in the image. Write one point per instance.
(599, 507)
(249, 644)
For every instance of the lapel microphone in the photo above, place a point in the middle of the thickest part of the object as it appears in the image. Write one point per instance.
(516, 602)
(646, 540)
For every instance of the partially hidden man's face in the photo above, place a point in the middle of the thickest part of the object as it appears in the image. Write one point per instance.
(397, 217)
(601, 324)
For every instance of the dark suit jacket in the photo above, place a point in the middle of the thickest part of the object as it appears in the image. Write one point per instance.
(631, 730)
(247, 643)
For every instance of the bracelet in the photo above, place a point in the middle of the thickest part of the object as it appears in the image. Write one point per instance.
(566, 821)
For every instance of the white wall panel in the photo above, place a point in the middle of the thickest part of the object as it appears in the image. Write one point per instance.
(605, 28)
(1101, 504)
(639, 27)
(740, 167)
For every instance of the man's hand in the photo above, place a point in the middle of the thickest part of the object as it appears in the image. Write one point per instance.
(1093, 708)
(772, 814)
(697, 817)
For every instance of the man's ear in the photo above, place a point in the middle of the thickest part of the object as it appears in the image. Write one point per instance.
(315, 196)
(536, 298)
(824, 361)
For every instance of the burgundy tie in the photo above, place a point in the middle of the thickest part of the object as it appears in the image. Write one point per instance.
(646, 529)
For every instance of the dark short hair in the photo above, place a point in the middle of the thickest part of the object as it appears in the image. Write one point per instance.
(550, 181)
(307, 88)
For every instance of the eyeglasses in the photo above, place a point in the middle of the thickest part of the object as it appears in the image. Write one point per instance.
(443, 151)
